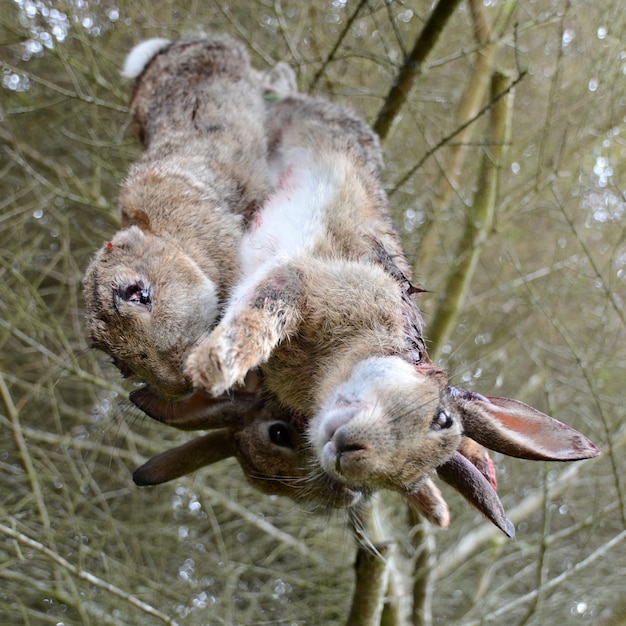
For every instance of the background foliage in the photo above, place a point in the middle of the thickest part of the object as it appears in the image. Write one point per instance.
(540, 318)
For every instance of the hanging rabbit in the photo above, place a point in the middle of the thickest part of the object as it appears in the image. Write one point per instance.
(157, 287)
(347, 402)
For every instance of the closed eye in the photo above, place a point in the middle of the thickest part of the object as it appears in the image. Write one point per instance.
(136, 293)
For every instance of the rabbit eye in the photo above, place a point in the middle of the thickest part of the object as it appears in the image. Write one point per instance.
(442, 420)
(280, 435)
(136, 293)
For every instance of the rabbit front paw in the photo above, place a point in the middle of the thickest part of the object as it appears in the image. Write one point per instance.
(222, 360)
(212, 366)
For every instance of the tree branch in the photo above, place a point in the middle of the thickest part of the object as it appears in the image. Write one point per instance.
(477, 225)
(372, 574)
(424, 567)
(453, 134)
(400, 90)
(554, 582)
(85, 575)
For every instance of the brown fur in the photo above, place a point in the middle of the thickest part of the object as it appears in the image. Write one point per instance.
(267, 441)
(324, 308)
(331, 423)
(315, 318)
(156, 289)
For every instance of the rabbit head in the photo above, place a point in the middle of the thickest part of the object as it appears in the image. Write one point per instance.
(285, 454)
(371, 432)
(268, 443)
(388, 426)
(149, 304)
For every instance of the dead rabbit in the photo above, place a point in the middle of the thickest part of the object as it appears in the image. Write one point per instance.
(323, 307)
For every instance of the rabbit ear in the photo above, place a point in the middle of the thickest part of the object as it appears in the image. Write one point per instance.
(461, 474)
(428, 500)
(196, 412)
(478, 456)
(519, 430)
(187, 458)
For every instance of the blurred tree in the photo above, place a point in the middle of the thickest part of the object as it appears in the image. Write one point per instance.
(540, 315)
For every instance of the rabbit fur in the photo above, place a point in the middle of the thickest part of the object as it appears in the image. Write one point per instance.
(156, 288)
(323, 308)
(349, 402)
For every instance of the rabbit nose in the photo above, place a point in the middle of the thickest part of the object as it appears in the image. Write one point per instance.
(344, 411)
(334, 422)
(343, 442)
(348, 452)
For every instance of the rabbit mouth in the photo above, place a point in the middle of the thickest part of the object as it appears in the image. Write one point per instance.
(336, 494)
(346, 462)
(125, 370)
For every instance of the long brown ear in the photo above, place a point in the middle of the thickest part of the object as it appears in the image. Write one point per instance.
(461, 474)
(197, 412)
(479, 457)
(187, 458)
(519, 430)
(428, 500)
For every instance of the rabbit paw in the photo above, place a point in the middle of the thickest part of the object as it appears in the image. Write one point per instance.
(220, 362)
(210, 367)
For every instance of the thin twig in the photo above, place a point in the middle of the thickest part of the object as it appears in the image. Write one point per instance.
(59, 361)
(452, 161)
(27, 461)
(574, 348)
(62, 91)
(487, 533)
(477, 226)
(394, 25)
(554, 582)
(453, 134)
(568, 263)
(338, 42)
(265, 526)
(284, 30)
(610, 294)
(85, 575)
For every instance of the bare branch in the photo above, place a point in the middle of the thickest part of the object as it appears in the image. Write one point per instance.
(372, 574)
(448, 138)
(26, 458)
(477, 226)
(411, 68)
(423, 570)
(554, 582)
(331, 55)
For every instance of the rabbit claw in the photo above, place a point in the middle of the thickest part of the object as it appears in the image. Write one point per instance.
(212, 366)
(221, 361)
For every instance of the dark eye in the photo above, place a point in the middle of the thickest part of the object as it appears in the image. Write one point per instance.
(138, 294)
(280, 435)
(442, 420)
